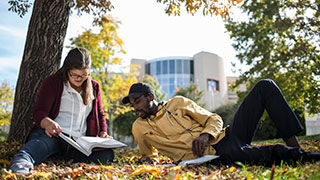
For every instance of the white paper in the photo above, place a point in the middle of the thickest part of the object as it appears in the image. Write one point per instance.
(85, 144)
(199, 160)
(88, 143)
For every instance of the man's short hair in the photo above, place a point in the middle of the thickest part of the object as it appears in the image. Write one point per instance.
(137, 90)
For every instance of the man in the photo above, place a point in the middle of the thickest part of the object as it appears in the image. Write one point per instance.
(182, 130)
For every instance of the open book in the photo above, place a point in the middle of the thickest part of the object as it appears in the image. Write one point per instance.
(86, 144)
(199, 160)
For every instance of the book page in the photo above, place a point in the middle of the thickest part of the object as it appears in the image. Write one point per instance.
(74, 144)
(88, 143)
(199, 160)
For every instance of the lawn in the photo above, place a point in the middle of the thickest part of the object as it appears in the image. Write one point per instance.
(125, 166)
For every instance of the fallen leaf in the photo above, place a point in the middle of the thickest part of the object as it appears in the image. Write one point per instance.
(151, 169)
(76, 172)
(191, 174)
(109, 167)
(230, 170)
(4, 161)
(177, 167)
(178, 175)
(109, 175)
(10, 175)
(212, 176)
(42, 174)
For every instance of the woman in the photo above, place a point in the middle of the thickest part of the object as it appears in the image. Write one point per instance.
(69, 102)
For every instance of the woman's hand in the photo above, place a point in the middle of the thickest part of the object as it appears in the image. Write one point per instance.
(51, 127)
(104, 134)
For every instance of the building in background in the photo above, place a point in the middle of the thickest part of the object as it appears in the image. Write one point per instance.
(204, 68)
(207, 71)
(312, 124)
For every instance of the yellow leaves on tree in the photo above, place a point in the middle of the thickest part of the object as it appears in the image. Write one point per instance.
(6, 97)
(96, 7)
(116, 90)
(211, 7)
(104, 47)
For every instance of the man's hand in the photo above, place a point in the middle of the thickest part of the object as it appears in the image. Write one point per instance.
(51, 127)
(199, 144)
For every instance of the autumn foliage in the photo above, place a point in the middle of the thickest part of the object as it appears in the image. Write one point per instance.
(6, 96)
(126, 166)
(209, 7)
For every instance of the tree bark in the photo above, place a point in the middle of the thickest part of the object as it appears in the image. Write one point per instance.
(42, 55)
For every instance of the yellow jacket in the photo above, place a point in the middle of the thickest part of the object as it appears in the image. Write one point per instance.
(172, 131)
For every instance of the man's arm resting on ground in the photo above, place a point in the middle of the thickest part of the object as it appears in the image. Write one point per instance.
(148, 152)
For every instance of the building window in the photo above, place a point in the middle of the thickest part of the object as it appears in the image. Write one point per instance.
(171, 81)
(147, 68)
(213, 85)
(179, 66)
(171, 73)
(158, 67)
(179, 82)
(165, 67)
(191, 67)
(171, 67)
(152, 69)
(186, 67)
(171, 86)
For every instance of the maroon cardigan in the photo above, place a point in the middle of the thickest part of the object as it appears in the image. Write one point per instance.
(49, 100)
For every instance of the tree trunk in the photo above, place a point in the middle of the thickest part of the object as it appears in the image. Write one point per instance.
(42, 55)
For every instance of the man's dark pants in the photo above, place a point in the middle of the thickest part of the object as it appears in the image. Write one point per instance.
(265, 95)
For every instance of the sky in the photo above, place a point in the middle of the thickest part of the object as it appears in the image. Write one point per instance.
(146, 30)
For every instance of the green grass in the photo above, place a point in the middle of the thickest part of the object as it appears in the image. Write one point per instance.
(312, 137)
(126, 166)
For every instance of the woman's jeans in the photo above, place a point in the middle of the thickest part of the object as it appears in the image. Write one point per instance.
(265, 95)
(40, 146)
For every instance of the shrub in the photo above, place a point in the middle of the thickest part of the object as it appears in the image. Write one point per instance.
(266, 128)
(227, 112)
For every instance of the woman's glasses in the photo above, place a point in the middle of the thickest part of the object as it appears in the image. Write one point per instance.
(76, 76)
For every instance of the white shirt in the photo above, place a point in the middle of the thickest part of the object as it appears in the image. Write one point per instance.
(73, 112)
